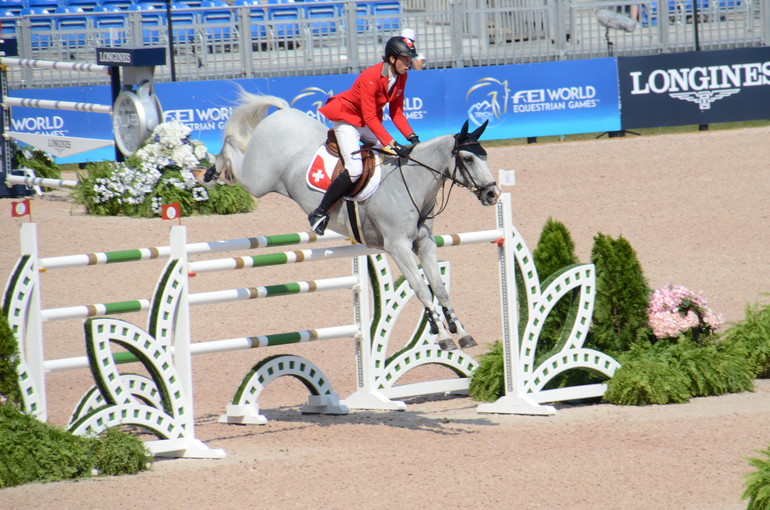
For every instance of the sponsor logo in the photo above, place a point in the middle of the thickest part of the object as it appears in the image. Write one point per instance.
(492, 99)
(200, 119)
(310, 99)
(59, 145)
(115, 57)
(51, 125)
(702, 85)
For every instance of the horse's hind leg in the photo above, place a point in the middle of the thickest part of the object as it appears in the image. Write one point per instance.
(428, 254)
(403, 257)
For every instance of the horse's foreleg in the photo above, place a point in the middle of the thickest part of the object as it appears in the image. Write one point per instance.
(428, 254)
(404, 259)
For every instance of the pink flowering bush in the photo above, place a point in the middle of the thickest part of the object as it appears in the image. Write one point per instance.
(674, 310)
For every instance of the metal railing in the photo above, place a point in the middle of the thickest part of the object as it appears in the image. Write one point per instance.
(314, 38)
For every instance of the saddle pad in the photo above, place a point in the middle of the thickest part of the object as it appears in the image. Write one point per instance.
(318, 175)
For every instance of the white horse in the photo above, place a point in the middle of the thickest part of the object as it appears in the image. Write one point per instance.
(272, 153)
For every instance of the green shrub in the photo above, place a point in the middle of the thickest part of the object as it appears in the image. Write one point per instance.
(32, 451)
(487, 382)
(554, 252)
(672, 372)
(9, 361)
(622, 296)
(647, 376)
(750, 339)
(757, 485)
(34, 159)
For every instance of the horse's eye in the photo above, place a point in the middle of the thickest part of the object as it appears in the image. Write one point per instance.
(468, 159)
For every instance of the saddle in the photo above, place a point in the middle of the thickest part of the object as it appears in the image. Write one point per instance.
(367, 156)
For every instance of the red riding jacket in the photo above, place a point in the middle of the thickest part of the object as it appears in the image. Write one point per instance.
(362, 104)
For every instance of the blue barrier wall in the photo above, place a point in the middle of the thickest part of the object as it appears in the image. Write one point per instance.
(518, 100)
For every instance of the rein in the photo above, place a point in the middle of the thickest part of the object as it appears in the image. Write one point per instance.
(473, 186)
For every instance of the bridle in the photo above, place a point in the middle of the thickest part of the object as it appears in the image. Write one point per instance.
(468, 181)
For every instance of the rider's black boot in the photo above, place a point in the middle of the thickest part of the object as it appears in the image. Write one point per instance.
(339, 187)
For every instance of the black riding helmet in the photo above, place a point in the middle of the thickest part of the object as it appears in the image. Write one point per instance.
(398, 47)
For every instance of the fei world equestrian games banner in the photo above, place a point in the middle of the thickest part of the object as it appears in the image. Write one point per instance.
(519, 101)
(695, 88)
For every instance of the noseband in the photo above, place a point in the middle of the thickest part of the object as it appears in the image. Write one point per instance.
(475, 148)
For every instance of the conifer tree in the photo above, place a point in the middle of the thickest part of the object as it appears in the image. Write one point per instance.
(555, 250)
(622, 296)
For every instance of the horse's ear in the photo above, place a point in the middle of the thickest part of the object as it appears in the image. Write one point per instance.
(477, 134)
(464, 130)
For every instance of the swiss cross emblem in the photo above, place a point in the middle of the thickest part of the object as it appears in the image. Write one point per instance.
(318, 175)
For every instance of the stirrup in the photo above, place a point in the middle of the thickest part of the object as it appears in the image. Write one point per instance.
(318, 222)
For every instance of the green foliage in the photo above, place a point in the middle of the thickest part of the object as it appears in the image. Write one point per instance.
(673, 372)
(555, 251)
(487, 382)
(647, 376)
(750, 339)
(35, 159)
(118, 453)
(222, 199)
(622, 296)
(32, 451)
(9, 361)
(757, 485)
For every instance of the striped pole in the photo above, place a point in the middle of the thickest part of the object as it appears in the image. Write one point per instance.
(40, 181)
(55, 66)
(247, 243)
(232, 344)
(57, 105)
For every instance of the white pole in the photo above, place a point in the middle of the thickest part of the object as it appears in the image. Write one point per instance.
(182, 341)
(32, 344)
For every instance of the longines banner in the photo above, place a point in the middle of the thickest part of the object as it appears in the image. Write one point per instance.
(695, 88)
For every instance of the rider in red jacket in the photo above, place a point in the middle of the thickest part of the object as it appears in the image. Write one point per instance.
(357, 116)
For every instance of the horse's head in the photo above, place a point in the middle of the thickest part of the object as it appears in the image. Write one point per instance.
(471, 162)
(222, 169)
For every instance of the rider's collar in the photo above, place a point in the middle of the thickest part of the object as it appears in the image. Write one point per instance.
(385, 69)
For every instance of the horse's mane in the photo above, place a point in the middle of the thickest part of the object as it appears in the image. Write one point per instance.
(250, 112)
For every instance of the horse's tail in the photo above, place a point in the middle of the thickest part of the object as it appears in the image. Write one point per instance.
(245, 117)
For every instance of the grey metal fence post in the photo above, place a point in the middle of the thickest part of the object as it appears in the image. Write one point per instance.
(764, 13)
(351, 36)
(457, 15)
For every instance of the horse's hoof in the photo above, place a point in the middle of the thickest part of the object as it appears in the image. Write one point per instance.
(447, 345)
(467, 341)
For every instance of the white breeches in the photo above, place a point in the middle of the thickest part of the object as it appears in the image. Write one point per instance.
(349, 139)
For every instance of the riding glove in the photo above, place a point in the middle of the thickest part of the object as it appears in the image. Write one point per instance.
(402, 150)
(413, 139)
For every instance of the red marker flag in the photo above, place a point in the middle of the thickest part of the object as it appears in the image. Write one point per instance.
(20, 208)
(171, 211)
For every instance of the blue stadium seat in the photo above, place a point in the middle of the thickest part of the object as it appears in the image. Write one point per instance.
(86, 5)
(281, 16)
(257, 16)
(220, 20)
(14, 6)
(72, 25)
(363, 9)
(8, 19)
(49, 5)
(153, 22)
(326, 15)
(387, 13)
(121, 4)
(112, 24)
(41, 26)
(183, 20)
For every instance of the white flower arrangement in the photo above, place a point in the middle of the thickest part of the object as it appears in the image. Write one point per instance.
(169, 148)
